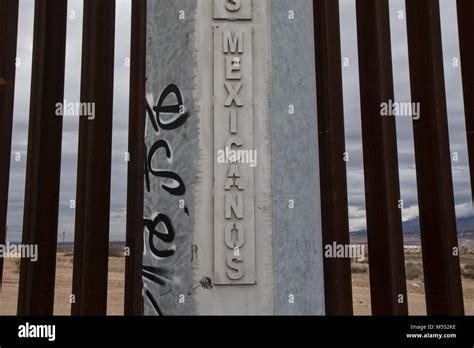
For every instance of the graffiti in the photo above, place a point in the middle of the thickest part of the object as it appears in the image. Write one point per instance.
(176, 191)
(168, 237)
(153, 302)
(157, 275)
(154, 114)
(175, 109)
(169, 181)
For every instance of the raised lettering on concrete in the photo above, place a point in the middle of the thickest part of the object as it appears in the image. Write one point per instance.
(232, 9)
(234, 221)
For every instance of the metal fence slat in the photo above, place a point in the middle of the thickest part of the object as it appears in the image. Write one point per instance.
(135, 180)
(334, 209)
(441, 267)
(382, 186)
(43, 171)
(91, 240)
(8, 43)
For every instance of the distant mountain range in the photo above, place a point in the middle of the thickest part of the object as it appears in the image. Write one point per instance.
(411, 230)
(465, 224)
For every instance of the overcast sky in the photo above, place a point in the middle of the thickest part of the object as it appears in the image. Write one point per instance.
(351, 106)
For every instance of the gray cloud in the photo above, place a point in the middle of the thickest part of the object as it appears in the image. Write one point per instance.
(70, 126)
(454, 96)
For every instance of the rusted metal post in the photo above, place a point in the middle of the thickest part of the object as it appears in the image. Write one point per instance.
(384, 225)
(466, 45)
(91, 241)
(136, 141)
(8, 39)
(334, 209)
(442, 274)
(40, 221)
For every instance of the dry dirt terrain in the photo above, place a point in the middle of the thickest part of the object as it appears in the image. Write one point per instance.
(415, 284)
(62, 306)
(360, 283)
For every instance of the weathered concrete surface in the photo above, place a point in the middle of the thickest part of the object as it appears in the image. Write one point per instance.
(287, 242)
(235, 299)
(298, 241)
(172, 59)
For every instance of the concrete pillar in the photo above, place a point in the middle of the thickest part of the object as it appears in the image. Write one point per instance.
(225, 234)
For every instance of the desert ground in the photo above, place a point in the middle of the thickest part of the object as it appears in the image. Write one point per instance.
(360, 284)
(62, 305)
(415, 284)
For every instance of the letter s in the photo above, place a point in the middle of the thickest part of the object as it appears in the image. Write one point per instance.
(234, 263)
(178, 189)
(232, 5)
